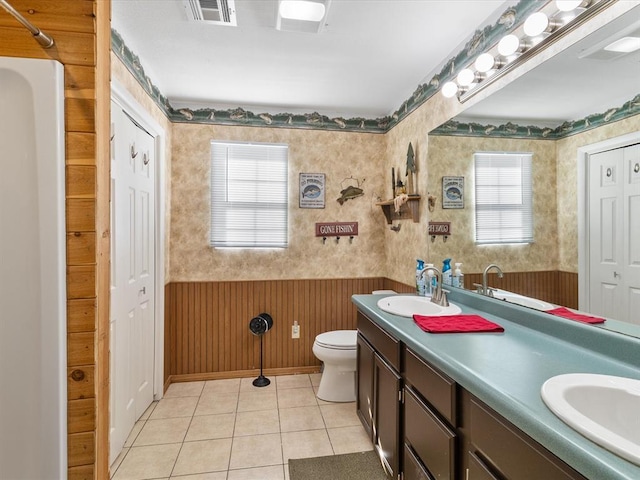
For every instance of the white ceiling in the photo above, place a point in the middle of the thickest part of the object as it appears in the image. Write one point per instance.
(370, 57)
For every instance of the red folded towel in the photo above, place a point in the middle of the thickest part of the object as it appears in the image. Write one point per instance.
(570, 314)
(456, 324)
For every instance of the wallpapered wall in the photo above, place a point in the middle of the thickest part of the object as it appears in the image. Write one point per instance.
(338, 155)
(454, 156)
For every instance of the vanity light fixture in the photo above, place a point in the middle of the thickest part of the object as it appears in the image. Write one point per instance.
(570, 5)
(540, 30)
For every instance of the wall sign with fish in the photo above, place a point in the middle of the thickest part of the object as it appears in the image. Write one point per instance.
(452, 192)
(350, 191)
(312, 187)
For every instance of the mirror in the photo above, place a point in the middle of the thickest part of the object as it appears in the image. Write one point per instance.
(564, 92)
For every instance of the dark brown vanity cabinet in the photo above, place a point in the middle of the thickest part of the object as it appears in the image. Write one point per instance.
(496, 449)
(429, 418)
(427, 427)
(379, 390)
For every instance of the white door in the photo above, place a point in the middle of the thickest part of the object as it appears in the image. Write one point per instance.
(614, 233)
(132, 275)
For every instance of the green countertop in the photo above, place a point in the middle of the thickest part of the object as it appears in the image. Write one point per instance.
(506, 370)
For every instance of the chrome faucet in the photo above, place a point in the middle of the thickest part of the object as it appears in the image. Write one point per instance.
(485, 288)
(439, 297)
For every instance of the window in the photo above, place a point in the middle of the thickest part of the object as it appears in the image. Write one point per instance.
(503, 198)
(249, 195)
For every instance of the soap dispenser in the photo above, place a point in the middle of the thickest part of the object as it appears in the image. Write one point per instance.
(458, 279)
(420, 280)
(431, 281)
(446, 271)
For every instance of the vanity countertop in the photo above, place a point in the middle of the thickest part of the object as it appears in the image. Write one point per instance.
(506, 370)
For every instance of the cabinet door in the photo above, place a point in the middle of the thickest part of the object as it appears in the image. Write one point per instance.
(387, 386)
(431, 439)
(412, 468)
(477, 470)
(364, 383)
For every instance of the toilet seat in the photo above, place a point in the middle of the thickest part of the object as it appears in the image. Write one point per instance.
(338, 340)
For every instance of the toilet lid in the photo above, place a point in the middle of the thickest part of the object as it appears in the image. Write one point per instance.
(338, 339)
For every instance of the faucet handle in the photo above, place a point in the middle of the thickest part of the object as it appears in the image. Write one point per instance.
(479, 288)
(490, 291)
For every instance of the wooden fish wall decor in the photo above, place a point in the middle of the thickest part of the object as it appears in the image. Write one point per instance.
(350, 192)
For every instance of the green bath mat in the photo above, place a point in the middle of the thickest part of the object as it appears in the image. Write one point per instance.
(350, 466)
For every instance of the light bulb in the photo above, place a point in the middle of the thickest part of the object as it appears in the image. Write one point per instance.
(536, 24)
(466, 77)
(484, 62)
(568, 5)
(449, 89)
(509, 45)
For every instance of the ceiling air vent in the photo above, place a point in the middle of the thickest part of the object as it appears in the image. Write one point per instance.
(217, 12)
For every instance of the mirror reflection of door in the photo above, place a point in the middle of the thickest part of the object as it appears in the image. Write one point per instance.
(614, 233)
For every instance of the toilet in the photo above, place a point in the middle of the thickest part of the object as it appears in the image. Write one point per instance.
(337, 351)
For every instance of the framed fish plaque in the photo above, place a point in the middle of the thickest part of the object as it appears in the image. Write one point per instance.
(312, 188)
(452, 192)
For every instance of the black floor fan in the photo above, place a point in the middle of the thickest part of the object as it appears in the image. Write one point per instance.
(259, 326)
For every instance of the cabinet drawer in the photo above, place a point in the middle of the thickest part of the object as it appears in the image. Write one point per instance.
(436, 388)
(510, 451)
(478, 470)
(429, 437)
(413, 469)
(381, 341)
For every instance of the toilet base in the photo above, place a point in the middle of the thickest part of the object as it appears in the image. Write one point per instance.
(337, 385)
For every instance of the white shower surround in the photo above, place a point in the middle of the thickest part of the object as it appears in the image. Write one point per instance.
(33, 347)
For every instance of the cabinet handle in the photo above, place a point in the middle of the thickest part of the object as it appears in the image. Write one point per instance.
(466, 474)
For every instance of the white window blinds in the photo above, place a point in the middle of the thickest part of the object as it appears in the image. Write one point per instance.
(504, 210)
(249, 195)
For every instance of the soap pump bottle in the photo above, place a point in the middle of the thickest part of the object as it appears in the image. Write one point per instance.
(446, 271)
(431, 282)
(420, 281)
(457, 280)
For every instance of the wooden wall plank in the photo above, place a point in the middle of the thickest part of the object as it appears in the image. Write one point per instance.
(80, 382)
(81, 281)
(80, 148)
(81, 448)
(81, 181)
(81, 415)
(81, 215)
(80, 348)
(81, 315)
(76, 16)
(81, 248)
(69, 48)
(79, 114)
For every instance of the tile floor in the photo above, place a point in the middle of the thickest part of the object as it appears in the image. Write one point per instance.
(231, 430)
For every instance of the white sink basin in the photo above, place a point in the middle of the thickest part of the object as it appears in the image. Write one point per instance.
(603, 408)
(408, 305)
(522, 300)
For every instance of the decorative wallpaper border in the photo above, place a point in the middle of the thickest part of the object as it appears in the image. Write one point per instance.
(566, 129)
(480, 41)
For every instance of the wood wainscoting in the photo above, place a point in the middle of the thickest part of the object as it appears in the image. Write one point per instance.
(207, 324)
(556, 287)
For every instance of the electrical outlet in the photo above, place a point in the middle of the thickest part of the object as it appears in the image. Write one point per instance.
(295, 330)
